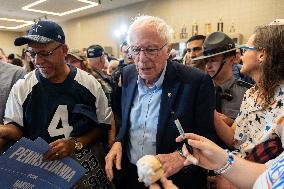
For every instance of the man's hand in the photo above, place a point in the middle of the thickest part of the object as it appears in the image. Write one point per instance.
(171, 163)
(59, 149)
(115, 154)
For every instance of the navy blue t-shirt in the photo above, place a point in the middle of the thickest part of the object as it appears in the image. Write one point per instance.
(57, 110)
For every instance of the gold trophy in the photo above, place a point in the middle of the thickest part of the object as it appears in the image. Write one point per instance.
(183, 33)
(194, 29)
(220, 25)
(232, 28)
(208, 28)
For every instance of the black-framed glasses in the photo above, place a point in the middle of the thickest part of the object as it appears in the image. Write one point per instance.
(150, 52)
(244, 48)
(43, 54)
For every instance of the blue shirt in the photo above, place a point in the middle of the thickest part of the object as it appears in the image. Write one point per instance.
(144, 119)
(238, 75)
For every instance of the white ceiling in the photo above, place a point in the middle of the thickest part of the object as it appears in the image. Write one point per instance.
(12, 9)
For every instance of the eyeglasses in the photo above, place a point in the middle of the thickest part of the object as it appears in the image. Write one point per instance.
(150, 52)
(43, 54)
(244, 48)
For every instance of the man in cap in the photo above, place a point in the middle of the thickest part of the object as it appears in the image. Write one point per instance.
(219, 54)
(97, 61)
(76, 58)
(57, 102)
(96, 58)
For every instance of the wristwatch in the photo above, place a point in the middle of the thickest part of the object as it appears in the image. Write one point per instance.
(78, 144)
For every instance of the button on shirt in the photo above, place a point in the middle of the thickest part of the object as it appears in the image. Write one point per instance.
(144, 119)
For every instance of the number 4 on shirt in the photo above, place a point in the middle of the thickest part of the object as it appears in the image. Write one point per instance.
(61, 114)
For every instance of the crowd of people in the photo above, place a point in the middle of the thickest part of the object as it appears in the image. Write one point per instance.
(87, 103)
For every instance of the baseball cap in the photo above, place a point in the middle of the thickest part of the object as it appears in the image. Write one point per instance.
(77, 54)
(43, 31)
(94, 51)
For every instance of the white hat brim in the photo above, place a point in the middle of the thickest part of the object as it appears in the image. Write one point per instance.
(211, 55)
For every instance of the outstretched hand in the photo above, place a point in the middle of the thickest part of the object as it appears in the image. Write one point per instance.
(171, 163)
(206, 153)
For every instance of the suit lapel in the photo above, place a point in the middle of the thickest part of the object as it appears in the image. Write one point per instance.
(130, 91)
(170, 90)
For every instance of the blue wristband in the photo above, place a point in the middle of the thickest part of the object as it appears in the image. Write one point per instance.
(228, 165)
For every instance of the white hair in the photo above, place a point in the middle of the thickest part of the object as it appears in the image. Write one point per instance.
(163, 29)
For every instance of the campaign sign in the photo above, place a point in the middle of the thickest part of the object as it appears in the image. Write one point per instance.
(22, 167)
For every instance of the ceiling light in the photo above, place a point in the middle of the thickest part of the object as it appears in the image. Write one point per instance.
(121, 31)
(117, 33)
(90, 5)
(25, 23)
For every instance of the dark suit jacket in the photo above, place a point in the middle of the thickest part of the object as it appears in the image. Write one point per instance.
(190, 94)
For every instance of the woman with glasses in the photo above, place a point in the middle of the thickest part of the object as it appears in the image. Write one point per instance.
(261, 116)
(259, 128)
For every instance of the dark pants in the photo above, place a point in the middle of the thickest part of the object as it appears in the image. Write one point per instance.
(127, 178)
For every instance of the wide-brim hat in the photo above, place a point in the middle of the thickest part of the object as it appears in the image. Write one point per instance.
(215, 44)
(43, 31)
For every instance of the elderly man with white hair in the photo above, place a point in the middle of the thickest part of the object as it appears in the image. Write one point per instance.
(153, 90)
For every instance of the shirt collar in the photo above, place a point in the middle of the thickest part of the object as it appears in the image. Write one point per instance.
(157, 84)
(227, 84)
